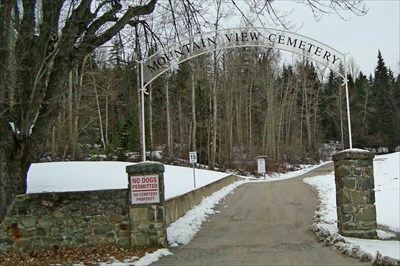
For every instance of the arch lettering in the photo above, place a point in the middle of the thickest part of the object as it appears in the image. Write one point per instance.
(177, 53)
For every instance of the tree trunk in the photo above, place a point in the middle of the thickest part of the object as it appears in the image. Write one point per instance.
(181, 123)
(271, 120)
(106, 118)
(14, 168)
(229, 113)
(364, 129)
(307, 106)
(99, 115)
(281, 124)
(316, 115)
(170, 145)
(214, 118)
(54, 141)
(5, 56)
(249, 108)
(214, 94)
(239, 137)
(70, 112)
(79, 73)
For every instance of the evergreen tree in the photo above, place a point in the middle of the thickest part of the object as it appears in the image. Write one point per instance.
(396, 99)
(384, 122)
(330, 120)
(361, 103)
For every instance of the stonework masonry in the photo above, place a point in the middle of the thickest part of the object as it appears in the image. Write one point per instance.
(355, 195)
(106, 217)
(46, 220)
(93, 218)
(148, 224)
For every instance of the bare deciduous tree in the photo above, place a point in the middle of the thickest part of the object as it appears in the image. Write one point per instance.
(46, 49)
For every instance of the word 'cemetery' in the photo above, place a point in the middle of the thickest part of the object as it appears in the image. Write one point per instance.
(271, 38)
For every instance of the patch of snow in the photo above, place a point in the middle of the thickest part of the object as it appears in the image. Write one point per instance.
(82, 176)
(185, 228)
(385, 235)
(14, 128)
(149, 258)
(355, 150)
(387, 186)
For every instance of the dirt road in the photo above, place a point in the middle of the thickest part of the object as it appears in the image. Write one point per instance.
(262, 224)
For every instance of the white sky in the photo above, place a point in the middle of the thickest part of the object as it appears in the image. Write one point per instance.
(360, 37)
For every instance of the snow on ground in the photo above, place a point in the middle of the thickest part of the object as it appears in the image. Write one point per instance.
(387, 186)
(387, 194)
(81, 176)
(184, 177)
(74, 176)
(185, 228)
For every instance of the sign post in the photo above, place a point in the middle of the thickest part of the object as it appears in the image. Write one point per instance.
(193, 160)
(261, 165)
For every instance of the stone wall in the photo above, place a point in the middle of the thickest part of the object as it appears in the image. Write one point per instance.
(355, 195)
(86, 218)
(178, 206)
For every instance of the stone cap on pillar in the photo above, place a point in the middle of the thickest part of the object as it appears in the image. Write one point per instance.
(145, 167)
(353, 154)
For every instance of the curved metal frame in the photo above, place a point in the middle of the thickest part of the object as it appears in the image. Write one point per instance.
(219, 35)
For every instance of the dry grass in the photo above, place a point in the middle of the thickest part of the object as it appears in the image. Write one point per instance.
(69, 256)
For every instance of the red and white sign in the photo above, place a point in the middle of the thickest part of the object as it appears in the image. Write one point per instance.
(145, 189)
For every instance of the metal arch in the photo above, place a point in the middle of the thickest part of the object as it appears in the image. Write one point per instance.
(232, 47)
(224, 42)
(185, 50)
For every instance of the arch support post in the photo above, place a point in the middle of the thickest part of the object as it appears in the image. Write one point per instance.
(147, 204)
(346, 84)
(142, 116)
(355, 195)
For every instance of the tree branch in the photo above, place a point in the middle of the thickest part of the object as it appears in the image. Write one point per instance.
(90, 43)
(98, 23)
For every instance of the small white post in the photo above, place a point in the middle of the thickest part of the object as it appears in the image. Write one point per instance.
(194, 176)
(346, 83)
(193, 160)
(261, 168)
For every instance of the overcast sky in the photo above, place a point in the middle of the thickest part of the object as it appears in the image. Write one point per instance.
(360, 37)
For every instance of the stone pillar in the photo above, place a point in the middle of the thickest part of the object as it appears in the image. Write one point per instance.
(355, 195)
(147, 204)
